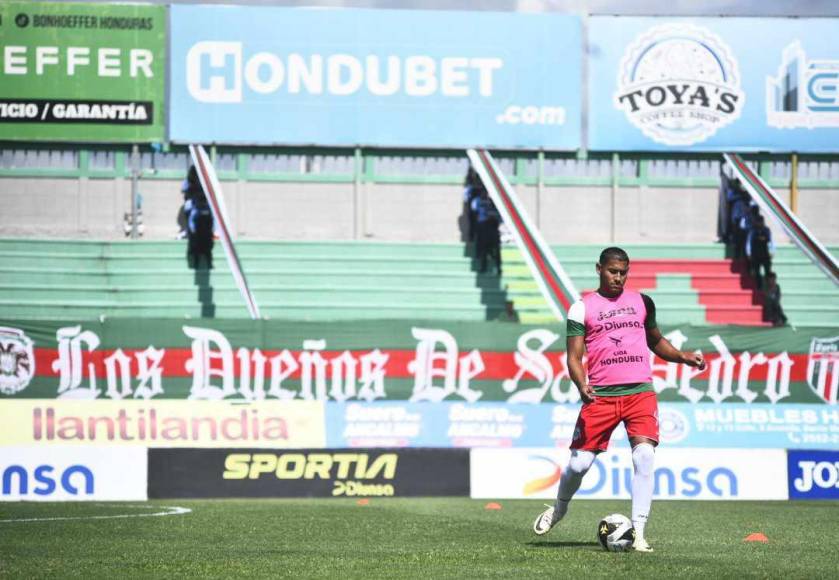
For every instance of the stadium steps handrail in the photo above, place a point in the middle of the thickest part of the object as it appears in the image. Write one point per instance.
(556, 286)
(770, 203)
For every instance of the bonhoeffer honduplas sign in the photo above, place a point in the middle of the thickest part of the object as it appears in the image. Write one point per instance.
(387, 77)
(82, 72)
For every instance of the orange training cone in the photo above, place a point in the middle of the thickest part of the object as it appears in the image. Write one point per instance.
(757, 537)
(492, 506)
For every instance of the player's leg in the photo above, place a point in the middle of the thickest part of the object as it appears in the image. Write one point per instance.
(643, 483)
(641, 418)
(594, 428)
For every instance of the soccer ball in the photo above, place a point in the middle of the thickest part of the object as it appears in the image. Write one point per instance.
(615, 533)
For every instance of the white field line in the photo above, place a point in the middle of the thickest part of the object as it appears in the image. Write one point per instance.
(170, 511)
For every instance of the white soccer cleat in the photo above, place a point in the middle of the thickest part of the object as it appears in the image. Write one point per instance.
(545, 522)
(641, 545)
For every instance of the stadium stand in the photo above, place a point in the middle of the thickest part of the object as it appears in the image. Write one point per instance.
(690, 283)
(304, 281)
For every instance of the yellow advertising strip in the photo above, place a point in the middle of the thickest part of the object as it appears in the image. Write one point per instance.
(269, 424)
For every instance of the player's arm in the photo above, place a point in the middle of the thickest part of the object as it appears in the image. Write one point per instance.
(661, 346)
(575, 348)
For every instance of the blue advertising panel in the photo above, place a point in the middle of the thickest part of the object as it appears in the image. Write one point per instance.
(813, 474)
(452, 424)
(263, 75)
(714, 84)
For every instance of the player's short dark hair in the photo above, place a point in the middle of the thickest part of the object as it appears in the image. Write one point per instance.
(613, 253)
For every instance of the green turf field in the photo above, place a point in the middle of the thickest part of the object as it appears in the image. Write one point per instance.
(410, 538)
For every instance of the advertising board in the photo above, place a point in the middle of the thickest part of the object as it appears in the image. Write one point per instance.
(713, 84)
(696, 474)
(40, 473)
(255, 74)
(82, 72)
(813, 474)
(183, 473)
(457, 424)
(162, 423)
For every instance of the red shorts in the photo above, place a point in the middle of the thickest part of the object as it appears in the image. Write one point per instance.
(597, 420)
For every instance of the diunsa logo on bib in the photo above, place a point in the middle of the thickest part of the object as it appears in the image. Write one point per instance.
(679, 84)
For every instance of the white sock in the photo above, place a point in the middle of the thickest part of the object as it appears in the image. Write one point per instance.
(643, 458)
(571, 479)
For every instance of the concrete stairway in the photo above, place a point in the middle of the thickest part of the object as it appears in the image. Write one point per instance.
(301, 281)
(690, 283)
(78, 280)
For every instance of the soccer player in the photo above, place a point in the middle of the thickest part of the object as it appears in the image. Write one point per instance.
(617, 328)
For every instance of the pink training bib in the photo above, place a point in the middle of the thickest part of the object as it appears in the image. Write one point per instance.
(616, 340)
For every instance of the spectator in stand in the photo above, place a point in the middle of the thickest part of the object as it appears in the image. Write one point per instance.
(199, 223)
(759, 248)
(738, 227)
(509, 314)
(471, 189)
(772, 310)
(488, 240)
(730, 190)
(190, 188)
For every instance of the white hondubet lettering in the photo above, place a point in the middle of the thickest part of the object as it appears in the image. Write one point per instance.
(224, 59)
(420, 76)
(389, 86)
(486, 69)
(149, 373)
(209, 346)
(219, 72)
(305, 75)
(533, 362)
(70, 363)
(430, 364)
(118, 374)
(455, 79)
(344, 74)
(264, 73)
(722, 371)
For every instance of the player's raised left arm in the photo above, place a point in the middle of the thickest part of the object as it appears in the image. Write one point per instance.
(663, 349)
(661, 346)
